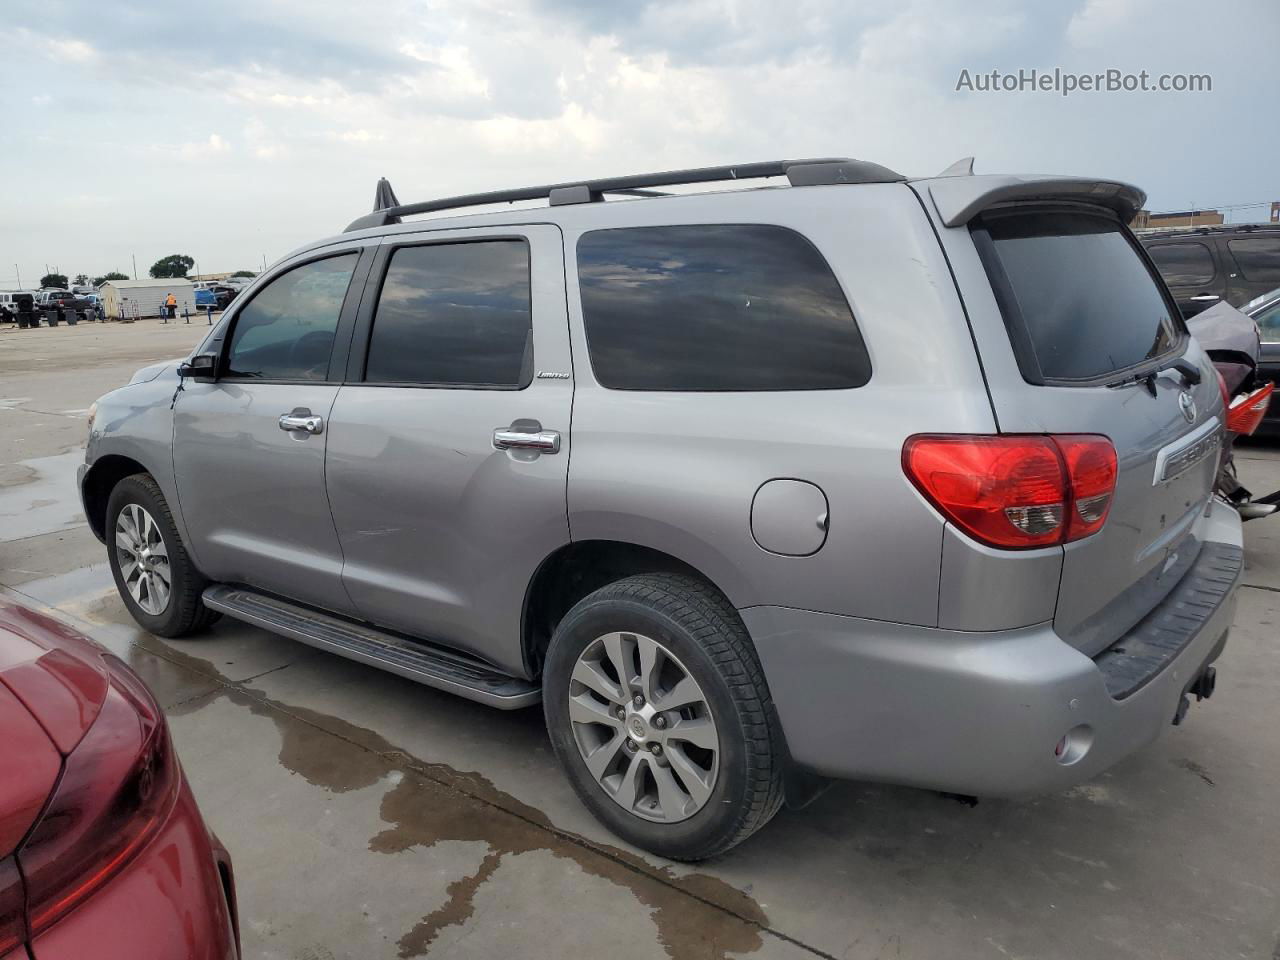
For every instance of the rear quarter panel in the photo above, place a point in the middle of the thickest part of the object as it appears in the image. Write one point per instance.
(677, 471)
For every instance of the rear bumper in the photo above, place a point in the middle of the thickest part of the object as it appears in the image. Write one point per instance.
(971, 713)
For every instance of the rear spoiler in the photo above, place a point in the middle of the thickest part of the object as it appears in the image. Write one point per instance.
(960, 199)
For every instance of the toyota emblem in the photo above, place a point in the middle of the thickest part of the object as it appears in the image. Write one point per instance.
(1187, 404)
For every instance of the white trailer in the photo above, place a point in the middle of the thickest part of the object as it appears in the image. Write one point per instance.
(144, 298)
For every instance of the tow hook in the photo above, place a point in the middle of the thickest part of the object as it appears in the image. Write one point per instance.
(1204, 685)
(1201, 688)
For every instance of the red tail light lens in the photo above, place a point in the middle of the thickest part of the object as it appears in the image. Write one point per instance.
(1247, 412)
(117, 788)
(1091, 472)
(1016, 492)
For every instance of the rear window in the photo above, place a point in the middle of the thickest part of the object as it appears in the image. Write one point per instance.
(1183, 263)
(716, 307)
(1077, 297)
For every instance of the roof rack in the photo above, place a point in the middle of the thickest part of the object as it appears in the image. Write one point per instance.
(800, 173)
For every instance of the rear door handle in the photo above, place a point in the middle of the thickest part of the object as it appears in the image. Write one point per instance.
(1204, 297)
(514, 438)
(302, 421)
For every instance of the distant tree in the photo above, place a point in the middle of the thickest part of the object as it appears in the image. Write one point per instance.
(99, 281)
(174, 265)
(244, 273)
(82, 279)
(58, 280)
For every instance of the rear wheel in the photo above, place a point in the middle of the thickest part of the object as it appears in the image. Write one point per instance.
(156, 579)
(659, 713)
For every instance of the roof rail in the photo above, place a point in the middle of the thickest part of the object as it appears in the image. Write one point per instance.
(800, 173)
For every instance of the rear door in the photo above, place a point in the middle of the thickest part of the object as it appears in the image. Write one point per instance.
(449, 444)
(1190, 269)
(1090, 331)
(1255, 267)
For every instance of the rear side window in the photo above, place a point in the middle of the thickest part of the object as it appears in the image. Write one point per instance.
(1258, 258)
(1183, 263)
(286, 331)
(1077, 298)
(455, 314)
(715, 308)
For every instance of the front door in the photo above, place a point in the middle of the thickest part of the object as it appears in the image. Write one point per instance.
(249, 447)
(449, 445)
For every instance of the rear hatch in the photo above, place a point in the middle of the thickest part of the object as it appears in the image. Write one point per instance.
(1094, 333)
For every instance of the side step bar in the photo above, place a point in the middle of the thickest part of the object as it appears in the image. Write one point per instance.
(444, 670)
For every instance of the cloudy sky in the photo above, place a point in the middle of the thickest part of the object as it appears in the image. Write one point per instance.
(234, 130)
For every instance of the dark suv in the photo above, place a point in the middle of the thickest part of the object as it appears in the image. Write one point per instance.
(1207, 264)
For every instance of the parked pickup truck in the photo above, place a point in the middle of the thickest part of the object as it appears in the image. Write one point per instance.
(64, 302)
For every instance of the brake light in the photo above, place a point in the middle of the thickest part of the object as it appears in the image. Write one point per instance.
(116, 790)
(1016, 492)
(1247, 412)
(1091, 474)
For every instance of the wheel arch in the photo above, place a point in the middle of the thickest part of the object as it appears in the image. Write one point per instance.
(99, 481)
(576, 569)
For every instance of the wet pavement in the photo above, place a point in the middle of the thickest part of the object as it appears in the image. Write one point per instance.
(371, 817)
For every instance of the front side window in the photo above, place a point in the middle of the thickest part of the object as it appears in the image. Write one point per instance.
(1258, 258)
(455, 314)
(286, 331)
(1183, 263)
(1077, 298)
(716, 307)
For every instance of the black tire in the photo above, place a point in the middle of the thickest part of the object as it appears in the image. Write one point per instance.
(185, 613)
(701, 628)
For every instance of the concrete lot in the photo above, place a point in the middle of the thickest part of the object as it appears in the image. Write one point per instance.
(371, 817)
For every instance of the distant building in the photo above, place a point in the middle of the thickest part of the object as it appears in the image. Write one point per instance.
(1182, 218)
(147, 296)
(1275, 212)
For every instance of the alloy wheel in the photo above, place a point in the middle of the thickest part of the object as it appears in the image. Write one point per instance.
(643, 727)
(143, 559)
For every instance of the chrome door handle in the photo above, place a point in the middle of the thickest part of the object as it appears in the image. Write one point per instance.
(302, 423)
(1205, 296)
(544, 441)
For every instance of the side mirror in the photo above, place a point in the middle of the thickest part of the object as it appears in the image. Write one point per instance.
(202, 367)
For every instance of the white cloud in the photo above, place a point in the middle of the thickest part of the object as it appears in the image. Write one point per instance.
(463, 95)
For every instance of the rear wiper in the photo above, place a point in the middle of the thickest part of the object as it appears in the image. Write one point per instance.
(1191, 375)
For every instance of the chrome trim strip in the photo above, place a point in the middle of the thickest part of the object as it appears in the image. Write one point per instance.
(1181, 455)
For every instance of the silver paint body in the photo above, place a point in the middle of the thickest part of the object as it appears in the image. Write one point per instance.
(402, 513)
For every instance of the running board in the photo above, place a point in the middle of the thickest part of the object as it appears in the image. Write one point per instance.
(429, 665)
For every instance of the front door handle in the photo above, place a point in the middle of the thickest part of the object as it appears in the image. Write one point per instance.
(1204, 297)
(302, 421)
(526, 435)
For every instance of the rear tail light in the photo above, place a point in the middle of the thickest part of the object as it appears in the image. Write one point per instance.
(116, 790)
(1244, 415)
(1016, 492)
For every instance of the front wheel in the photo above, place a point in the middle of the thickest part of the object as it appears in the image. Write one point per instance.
(156, 579)
(660, 715)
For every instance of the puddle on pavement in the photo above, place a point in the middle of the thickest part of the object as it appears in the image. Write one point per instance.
(433, 802)
(34, 496)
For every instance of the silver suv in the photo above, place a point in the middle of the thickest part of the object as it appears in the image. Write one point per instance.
(855, 476)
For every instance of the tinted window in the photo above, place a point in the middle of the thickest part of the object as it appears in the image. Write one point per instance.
(715, 307)
(1077, 296)
(1268, 322)
(1183, 263)
(1258, 258)
(455, 314)
(286, 331)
